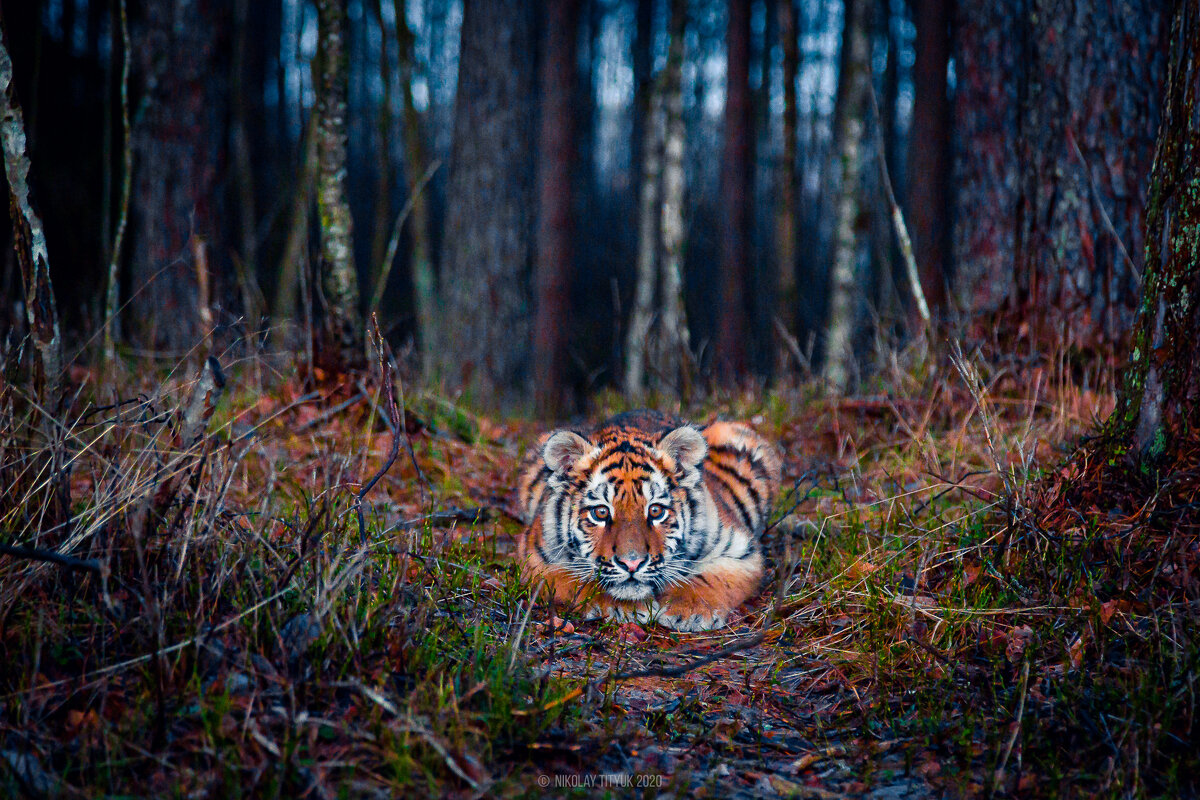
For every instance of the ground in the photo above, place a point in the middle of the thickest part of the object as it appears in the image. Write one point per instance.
(943, 615)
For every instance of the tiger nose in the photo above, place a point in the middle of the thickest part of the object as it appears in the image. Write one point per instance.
(631, 561)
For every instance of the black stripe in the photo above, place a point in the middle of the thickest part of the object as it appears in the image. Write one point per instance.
(754, 493)
(733, 501)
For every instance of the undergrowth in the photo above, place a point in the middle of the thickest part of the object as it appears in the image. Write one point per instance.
(952, 609)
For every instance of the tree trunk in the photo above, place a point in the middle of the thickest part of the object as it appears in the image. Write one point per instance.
(343, 322)
(33, 257)
(674, 341)
(556, 155)
(178, 155)
(424, 285)
(929, 148)
(485, 334)
(295, 245)
(785, 214)
(1158, 406)
(848, 132)
(1056, 109)
(649, 211)
(737, 196)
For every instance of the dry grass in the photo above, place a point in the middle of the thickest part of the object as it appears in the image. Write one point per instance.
(931, 626)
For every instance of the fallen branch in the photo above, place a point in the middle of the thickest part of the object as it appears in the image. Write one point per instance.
(439, 519)
(51, 557)
(683, 669)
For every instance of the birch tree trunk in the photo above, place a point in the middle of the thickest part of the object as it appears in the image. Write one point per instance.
(845, 287)
(649, 210)
(33, 258)
(675, 347)
(556, 156)
(343, 323)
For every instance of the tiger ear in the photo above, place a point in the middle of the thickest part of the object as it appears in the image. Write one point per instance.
(563, 449)
(686, 445)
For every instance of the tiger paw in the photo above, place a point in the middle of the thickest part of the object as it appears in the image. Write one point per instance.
(694, 623)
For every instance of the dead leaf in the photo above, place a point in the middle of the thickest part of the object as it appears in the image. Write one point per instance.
(631, 632)
(1018, 640)
(1075, 653)
(557, 625)
(861, 569)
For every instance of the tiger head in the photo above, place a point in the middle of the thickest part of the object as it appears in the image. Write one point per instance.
(626, 510)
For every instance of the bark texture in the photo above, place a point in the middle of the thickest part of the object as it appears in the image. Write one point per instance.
(737, 196)
(486, 329)
(844, 286)
(33, 257)
(649, 211)
(674, 342)
(1158, 407)
(556, 155)
(785, 213)
(929, 148)
(424, 285)
(1056, 110)
(343, 322)
(178, 157)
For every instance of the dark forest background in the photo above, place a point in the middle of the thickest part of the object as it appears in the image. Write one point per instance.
(527, 149)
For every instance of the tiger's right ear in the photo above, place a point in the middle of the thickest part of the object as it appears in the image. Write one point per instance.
(563, 449)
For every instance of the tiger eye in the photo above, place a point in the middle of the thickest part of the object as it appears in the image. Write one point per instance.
(598, 514)
(657, 512)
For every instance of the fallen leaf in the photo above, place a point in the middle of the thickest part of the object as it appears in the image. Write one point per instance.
(556, 625)
(1018, 640)
(632, 632)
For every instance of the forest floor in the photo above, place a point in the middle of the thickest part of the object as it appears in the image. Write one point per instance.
(948, 613)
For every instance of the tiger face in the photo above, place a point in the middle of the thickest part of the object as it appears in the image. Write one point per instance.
(624, 511)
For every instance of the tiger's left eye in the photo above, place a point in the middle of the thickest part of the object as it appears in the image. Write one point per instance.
(657, 512)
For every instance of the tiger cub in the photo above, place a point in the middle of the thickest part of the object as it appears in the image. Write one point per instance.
(645, 518)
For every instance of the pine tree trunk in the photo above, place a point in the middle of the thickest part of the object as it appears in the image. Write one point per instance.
(424, 285)
(1158, 407)
(929, 148)
(737, 196)
(844, 283)
(1055, 113)
(485, 335)
(343, 323)
(178, 154)
(675, 342)
(556, 156)
(785, 214)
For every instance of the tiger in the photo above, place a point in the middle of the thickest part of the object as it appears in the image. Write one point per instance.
(649, 519)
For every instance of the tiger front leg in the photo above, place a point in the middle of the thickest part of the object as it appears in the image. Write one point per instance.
(707, 601)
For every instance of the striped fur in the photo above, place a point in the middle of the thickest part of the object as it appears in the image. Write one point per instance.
(646, 518)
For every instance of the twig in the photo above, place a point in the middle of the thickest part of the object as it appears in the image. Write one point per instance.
(683, 669)
(112, 295)
(998, 775)
(339, 408)
(385, 369)
(49, 556)
(389, 256)
(906, 247)
(443, 518)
